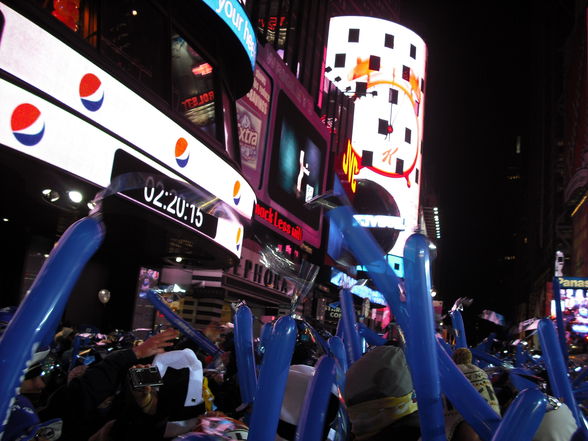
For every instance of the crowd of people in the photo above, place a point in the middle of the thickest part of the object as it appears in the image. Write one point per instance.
(87, 386)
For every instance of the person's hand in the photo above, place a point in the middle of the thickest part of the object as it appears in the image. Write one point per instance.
(155, 345)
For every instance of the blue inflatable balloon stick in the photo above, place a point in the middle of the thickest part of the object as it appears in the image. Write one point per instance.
(272, 381)
(264, 337)
(337, 348)
(465, 398)
(488, 358)
(486, 344)
(523, 417)
(367, 251)
(314, 409)
(458, 326)
(519, 356)
(41, 310)
(422, 346)
(445, 345)
(556, 367)
(370, 336)
(350, 335)
(182, 325)
(245, 354)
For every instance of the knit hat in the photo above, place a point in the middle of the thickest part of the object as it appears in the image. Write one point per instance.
(478, 377)
(24, 424)
(379, 391)
(462, 356)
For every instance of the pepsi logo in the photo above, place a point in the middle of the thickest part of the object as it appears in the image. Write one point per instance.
(27, 124)
(182, 152)
(239, 237)
(91, 92)
(237, 192)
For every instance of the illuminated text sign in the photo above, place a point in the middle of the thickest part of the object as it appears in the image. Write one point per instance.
(233, 15)
(271, 216)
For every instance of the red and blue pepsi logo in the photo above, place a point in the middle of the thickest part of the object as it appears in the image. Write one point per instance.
(237, 192)
(91, 92)
(182, 152)
(239, 237)
(27, 124)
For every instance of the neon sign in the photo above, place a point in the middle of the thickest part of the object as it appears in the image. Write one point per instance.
(350, 165)
(274, 218)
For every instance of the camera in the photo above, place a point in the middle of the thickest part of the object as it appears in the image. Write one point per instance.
(143, 377)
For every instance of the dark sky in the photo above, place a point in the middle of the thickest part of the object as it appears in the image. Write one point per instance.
(482, 58)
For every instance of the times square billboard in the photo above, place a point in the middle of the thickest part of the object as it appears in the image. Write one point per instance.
(382, 65)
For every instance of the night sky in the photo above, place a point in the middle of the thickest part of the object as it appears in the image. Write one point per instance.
(480, 80)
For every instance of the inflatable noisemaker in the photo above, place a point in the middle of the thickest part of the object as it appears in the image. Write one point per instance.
(523, 417)
(38, 316)
(181, 325)
(350, 335)
(368, 253)
(314, 409)
(556, 368)
(460, 335)
(421, 347)
(272, 380)
(244, 353)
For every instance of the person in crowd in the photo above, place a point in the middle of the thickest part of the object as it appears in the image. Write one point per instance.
(381, 401)
(223, 380)
(478, 377)
(164, 412)
(24, 423)
(94, 395)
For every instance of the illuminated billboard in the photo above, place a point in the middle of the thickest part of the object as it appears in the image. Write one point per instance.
(382, 66)
(88, 90)
(296, 170)
(252, 118)
(574, 303)
(93, 120)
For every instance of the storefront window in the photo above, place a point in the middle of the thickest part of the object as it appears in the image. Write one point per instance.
(132, 36)
(193, 85)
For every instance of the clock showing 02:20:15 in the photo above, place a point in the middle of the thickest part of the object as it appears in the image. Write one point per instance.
(175, 200)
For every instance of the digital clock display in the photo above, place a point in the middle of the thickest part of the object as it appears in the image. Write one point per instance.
(175, 200)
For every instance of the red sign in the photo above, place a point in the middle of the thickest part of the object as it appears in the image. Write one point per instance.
(272, 217)
(198, 100)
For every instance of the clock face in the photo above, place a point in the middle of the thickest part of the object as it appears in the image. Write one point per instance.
(394, 139)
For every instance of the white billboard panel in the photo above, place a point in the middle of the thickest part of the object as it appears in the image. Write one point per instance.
(382, 64)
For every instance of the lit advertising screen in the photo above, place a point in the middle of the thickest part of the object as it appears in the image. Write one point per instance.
(574, 303)
(252, 119)
(382, 65)
(298, 154)
(89, 91)
(339, 278)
